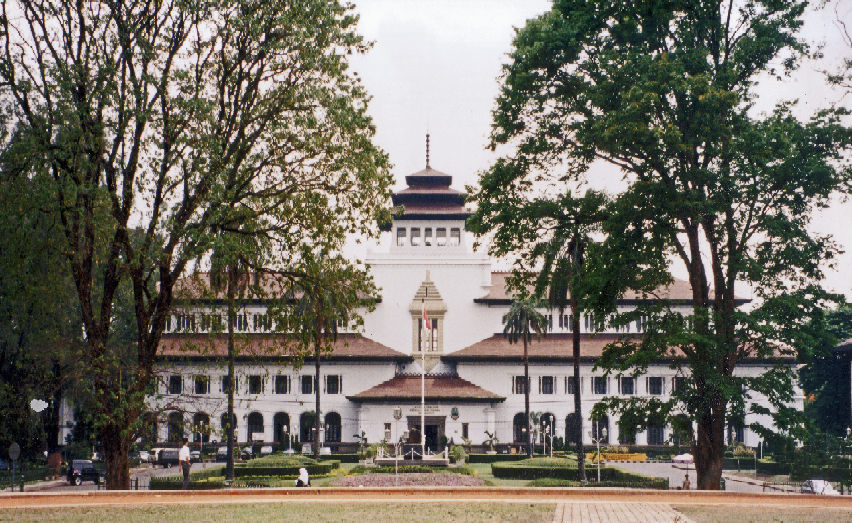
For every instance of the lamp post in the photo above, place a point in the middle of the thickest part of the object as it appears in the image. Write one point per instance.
(597, 442)
(289, 450)
(397, 415)
(549, 434)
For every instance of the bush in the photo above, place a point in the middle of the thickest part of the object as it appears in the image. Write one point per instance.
(738, 464)
(491, 458)
(457, 453)
(648, 482)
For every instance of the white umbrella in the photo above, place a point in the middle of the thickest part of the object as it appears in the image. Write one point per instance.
(683, 458)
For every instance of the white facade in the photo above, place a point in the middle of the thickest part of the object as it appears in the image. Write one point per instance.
(456, 287)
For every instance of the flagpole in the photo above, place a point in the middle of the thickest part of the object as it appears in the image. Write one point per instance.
(423, 383)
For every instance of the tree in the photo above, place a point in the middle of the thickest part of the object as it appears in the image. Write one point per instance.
(561, 278)
(181, 119)
(520, 323)
(825, 380)
(325, 304)
(664, 92)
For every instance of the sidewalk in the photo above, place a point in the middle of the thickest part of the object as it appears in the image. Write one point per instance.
(617, 512)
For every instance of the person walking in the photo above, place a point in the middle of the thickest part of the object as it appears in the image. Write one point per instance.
(185, 463)
(686, 483)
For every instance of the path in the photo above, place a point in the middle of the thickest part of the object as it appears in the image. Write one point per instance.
(617, 512)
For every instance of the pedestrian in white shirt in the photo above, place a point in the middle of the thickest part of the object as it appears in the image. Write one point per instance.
(185, 464)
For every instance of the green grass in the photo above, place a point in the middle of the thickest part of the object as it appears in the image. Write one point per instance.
(297, 512)
(749, 514)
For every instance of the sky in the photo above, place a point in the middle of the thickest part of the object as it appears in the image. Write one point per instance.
(435, 68)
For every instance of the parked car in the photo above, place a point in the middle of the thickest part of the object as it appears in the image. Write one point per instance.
(247, 453)
(195, 456)
(169, 458)
(266, 451)
(145, 456)
(80, 470)
(818, 486)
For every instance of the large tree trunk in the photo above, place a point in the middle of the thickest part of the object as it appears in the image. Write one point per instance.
(709, 451)
(527, 400)
(317, 420)
(578, 406)
(116, 447)
(232, 316)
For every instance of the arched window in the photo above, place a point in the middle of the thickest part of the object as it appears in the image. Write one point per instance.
(573, 428)
(255, 427)
(149, 432)
(547, 420)
(332, 427)
(598, 427)
(306, 426)
(225, 424)
(279, 421)
(176, 427)
(519, 424)
(200, 427)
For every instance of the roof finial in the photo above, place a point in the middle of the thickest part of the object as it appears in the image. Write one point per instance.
(427, 151)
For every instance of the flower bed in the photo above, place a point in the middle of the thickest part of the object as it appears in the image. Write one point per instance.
(619, 456)
(408, 480)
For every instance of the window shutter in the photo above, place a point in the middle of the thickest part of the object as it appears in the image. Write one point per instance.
(539, 385)
(619, 385)
(340, 384)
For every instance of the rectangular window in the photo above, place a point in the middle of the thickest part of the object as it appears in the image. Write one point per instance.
(627, 385)
(186, 323)
(242, 323)
(401, 237)
(427, 236)
(415, 236)
(202, 385)
(455, 237)
(262, 323)
(679, 384)
(169, 323)
(550, 322)
(655, 386)
(518, 385)
(333, 384)
(427, 340)
(569, 384)
(465, 431)
(282, 384)
(226, 384)
(307, 384)
(656, 436)
(440, 236)
(599, 384)
(255, 385)
(175, 384)
(545, 385)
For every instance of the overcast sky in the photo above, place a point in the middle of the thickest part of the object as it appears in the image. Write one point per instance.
(435, 67)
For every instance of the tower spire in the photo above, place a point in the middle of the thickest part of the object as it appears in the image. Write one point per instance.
(427, 150)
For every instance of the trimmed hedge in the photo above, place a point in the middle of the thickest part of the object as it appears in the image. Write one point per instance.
(176, 483)
(738, 464)
(772, 468)
(342, 458)
(493, 458)
(536, 468)
(316, 469)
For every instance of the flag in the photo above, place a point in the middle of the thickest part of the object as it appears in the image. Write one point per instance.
(427, 324)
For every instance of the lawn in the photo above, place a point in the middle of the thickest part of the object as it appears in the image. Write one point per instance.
(749, 514)
(297, 512)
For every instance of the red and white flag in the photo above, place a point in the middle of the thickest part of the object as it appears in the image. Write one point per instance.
(427, 324)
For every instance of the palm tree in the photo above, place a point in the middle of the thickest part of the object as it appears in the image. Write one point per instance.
(563, 260)
(521, 322)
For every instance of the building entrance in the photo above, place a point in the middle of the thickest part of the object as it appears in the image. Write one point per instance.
(435, 428)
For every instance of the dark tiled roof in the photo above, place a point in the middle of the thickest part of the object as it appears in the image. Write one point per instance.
(554, 347)
(347, 347)
(437, 388)
(679, 291)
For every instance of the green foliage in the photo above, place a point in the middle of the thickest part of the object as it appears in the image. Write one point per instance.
(411, 469)
(665, 94)
(222, 119)
(458, 453)
(825, 379)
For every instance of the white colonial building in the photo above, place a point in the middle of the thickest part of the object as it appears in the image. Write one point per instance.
(473, 380)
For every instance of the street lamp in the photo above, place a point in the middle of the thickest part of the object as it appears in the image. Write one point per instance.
(549, 434)
(601, 436)
(286, 430)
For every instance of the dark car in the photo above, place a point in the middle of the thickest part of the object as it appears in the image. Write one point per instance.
(169, 458)
(80, 470)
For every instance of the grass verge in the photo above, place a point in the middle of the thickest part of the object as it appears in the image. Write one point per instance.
(747, 514)
(297, 512)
